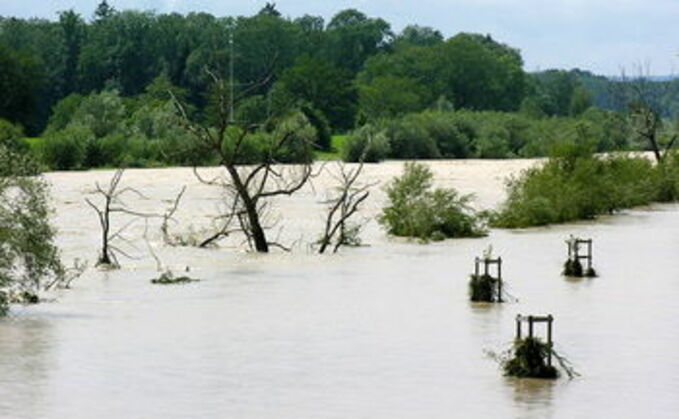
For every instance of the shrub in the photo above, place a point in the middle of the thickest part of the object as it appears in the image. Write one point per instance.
(530, 360)
(417, 210)
(367, 142)
(11, 135)
(575, 184)
(67, 149)
(483, 288)
(27, 255)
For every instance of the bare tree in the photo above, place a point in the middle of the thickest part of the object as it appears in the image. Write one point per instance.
(643, 100)
(348, 196)
(113, 202)
(251, 186)
(168, 217)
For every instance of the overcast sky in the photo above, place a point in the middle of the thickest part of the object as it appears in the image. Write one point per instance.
(597, 35)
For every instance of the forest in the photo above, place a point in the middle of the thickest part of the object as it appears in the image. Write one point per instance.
(84, 92)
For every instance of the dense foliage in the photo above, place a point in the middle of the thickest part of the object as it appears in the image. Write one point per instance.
(418, 210)
(483, 134)
(28, 256)
(575, 184)
(96, 89)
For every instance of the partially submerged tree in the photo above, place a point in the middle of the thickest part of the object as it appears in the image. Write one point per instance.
(252, 153)
(344, 203)
(29, 259)
(113, 202)
(418, 210)
(643, 100)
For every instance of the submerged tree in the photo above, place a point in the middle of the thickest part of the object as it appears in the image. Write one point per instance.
(113, 203)
(348, 196)
(29, 259)
(252, 153)
(418, 210)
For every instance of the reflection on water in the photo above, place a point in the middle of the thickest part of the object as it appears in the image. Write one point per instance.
(532, 398)
(384, 331)
(26, 359)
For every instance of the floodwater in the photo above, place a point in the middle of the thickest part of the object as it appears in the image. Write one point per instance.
(381, 331)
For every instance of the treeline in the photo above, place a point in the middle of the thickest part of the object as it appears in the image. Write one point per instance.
(99, 85)
(436, 133)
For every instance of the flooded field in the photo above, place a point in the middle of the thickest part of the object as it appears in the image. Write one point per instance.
(380, 331)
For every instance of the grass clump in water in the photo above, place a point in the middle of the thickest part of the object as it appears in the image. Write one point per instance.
(483, 288)
(418, 210)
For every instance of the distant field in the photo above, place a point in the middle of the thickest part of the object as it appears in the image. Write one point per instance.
(335, 148)
(33, 143)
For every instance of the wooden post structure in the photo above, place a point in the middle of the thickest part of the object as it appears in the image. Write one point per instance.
(531, 320)
(487, 262)
(574, 247)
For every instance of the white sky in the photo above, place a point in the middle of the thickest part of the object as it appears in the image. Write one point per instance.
(597, 35)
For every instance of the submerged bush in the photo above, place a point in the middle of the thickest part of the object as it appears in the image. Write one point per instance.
(483, 288)
(28, 256)
(529, 360)
(575, 184)
(417, 210)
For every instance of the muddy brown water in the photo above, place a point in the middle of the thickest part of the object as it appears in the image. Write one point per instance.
(381, 331)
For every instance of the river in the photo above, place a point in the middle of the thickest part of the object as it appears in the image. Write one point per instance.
(379, 331)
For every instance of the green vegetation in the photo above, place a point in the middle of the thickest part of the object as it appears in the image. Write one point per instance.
(336, 146)
(474, 134)
(29, 260)
(96, 91)
(483, 288)
(417, 210)
(575, 184)
(529, 360)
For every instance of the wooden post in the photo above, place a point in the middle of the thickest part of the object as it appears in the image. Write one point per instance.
(530, 326)
(550, 319)
(476, 267)
(518, 327)
(499, 280)
(589, 254)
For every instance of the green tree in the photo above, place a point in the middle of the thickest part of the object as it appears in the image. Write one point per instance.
(29, 259)
(352, 37)
(20, 83)
(327, 88)
(419, 36)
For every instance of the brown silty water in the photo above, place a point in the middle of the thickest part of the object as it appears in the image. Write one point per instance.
(380, 331)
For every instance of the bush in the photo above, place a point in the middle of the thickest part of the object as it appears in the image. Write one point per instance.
(575, 184)
(530, 360)
(483, 288)
(366, 142)
(417, 210)
(67, 149)
(27, 254)
(10, 137)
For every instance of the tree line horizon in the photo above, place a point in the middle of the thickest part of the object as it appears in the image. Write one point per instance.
(345, 73)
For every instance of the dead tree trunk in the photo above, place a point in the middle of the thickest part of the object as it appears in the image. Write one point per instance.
(251, 186)
(349, 195)
(643, 100)
(113, 203)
